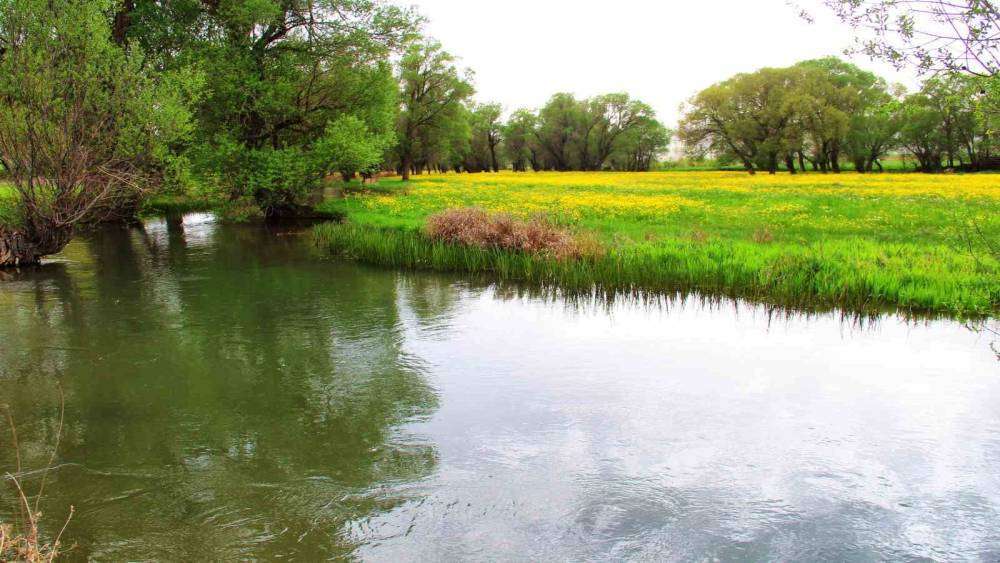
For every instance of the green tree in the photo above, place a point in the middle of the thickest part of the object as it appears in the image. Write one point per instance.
(432, 102)
(874, 130)
(946, 124)
(520, 144)
(830, 93)
(748, 117)
(279, 73)
(84, 125)
(557, 132)
(638, 147)
(607, 118)
(487, 134)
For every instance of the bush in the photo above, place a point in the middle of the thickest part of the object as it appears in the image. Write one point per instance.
(471, 226)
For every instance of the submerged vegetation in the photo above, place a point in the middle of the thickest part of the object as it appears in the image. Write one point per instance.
(858, 241)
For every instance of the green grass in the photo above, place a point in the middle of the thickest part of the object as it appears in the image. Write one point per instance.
(8, 213)
(861, 242)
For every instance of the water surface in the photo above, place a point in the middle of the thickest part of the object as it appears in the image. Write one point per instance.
(229, 395)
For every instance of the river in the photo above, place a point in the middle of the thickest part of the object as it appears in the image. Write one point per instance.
(229, 394)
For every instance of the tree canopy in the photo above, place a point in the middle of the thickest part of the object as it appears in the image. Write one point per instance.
(85, 126)
(823, 111)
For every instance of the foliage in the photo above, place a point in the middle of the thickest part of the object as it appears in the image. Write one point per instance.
(296, 89)
(84, 126)
(863, 241)
(611, 130)
(823, 110)
(433, 121)
(748, 117)
(486, 135)
(947, 123)
(520, 145)
(954, 36)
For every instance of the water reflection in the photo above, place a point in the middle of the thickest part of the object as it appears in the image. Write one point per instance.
(241, 402)
(229, 395)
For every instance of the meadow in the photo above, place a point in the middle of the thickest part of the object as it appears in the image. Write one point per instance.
(911, 242)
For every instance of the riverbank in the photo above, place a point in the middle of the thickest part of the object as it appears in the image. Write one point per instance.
(916, 243)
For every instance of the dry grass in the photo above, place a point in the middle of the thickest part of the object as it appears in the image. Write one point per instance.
(471, 226)
(22, 540)
(763, 235)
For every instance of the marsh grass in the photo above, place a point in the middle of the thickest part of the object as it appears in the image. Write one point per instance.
(861, 241)
(856, 275)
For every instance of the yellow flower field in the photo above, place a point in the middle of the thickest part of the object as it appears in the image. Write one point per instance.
(897, 207)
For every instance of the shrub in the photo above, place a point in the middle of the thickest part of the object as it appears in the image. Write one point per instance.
(471, 226)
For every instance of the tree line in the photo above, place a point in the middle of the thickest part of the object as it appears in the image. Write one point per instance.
(821, 114)
(440, 128)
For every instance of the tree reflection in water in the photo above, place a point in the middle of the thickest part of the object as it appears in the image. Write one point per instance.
(266, 414)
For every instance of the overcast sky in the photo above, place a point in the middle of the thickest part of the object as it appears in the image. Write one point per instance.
(662, 52)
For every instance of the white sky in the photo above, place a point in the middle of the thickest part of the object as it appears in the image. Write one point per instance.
(661, 52)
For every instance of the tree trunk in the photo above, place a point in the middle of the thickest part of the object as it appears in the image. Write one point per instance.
(21, 248)
(122, 22)
(406, 165)
(790, 163)
(493, 158)
(772, 163)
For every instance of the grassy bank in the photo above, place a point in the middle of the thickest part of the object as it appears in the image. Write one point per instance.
(179, 204)
(858, 241)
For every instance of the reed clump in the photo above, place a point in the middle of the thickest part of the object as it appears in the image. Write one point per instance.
(471, 226)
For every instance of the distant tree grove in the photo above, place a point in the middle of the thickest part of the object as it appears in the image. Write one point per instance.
(260, 102)
(820, 114)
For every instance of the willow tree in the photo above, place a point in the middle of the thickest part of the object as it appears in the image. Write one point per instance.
(638, 147)
(433, 92)
(487, 134)
(288, 81)
(82, 122)
(749, 117)
(519, 142)
(937, 38)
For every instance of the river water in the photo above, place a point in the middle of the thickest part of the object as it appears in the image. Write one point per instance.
(229, 394)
